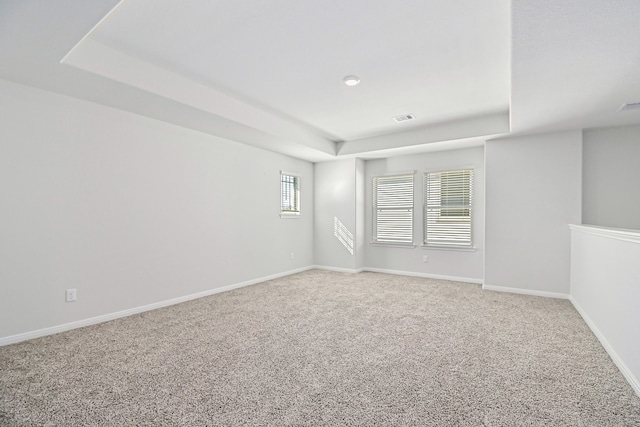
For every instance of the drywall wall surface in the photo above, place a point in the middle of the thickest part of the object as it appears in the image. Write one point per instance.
(605, 288)
(533, 192)
(335, 214)
(361, 212)
(448, 263)
(611, 174)
(131, 211)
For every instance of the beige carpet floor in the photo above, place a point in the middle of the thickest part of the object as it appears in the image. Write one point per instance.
(324, 349)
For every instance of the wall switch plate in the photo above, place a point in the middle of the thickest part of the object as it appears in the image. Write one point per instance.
(291, 255)
(425, 258)
(71, 295)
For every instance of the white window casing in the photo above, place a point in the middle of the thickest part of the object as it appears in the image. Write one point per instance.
(289, 195)
(448, 209)
(393, 209)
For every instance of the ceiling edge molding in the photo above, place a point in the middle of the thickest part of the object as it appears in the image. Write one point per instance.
(469, 128)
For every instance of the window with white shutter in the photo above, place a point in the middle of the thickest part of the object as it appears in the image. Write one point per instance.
(289, 195)
(448, 198)
(393, 209)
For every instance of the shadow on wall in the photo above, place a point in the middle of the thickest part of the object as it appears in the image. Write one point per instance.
(343, 234)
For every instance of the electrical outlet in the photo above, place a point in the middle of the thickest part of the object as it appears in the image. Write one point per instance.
(291, 255)
(425, 258)
(71, 295)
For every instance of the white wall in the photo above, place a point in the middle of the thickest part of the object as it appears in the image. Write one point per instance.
(463, 265)
(335, 198)
(605, 279)
(130, 211)
(533, 191)
(611, 176)
(361, 213)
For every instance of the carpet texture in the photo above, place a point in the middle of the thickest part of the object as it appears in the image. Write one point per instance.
(322, 348)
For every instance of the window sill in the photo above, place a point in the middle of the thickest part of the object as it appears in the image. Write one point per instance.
(450, 248)
(394, 245)
(289, 216)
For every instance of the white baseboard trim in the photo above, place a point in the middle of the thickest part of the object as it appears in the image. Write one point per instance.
(124, 313)
(626, 372)
(338, 269)
(426, 275)
(525, 292)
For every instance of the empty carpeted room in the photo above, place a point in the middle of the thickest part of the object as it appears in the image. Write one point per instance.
(319, 213)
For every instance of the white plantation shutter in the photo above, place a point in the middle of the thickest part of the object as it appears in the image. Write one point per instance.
(393, 209)
(447, 216)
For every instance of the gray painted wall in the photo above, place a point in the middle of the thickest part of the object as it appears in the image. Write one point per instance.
(533, 193)
(131, 211)
(361, 213)
(335, 199)
(611, 167)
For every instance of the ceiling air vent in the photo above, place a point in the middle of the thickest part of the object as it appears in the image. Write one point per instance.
(629, 107)
(404, 118)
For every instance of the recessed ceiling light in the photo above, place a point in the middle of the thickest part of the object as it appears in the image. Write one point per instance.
(351, 80)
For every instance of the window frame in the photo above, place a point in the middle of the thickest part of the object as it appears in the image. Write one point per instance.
(296, 212)
(466, 205)
(376, 238)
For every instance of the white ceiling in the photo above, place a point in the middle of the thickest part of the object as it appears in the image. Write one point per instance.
(270, 74)
(416, 57)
